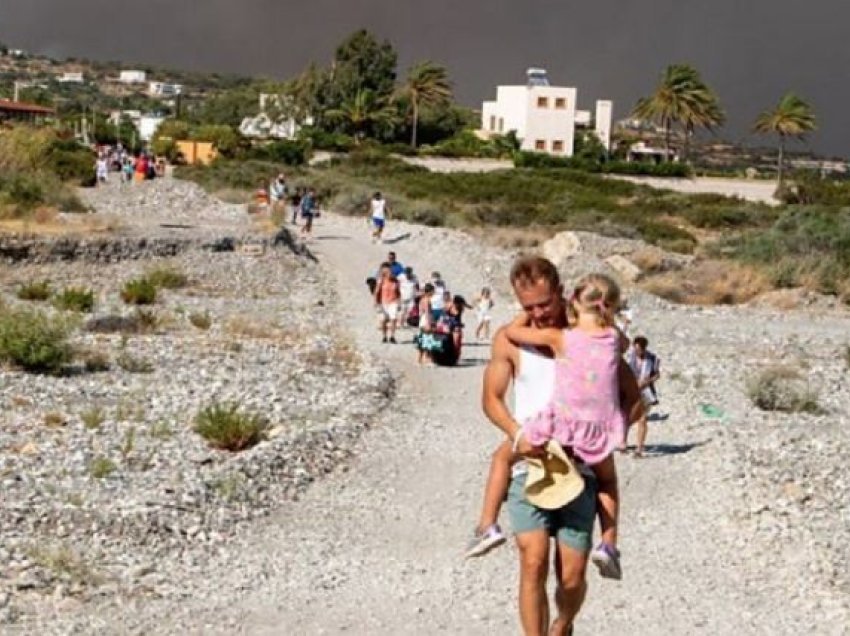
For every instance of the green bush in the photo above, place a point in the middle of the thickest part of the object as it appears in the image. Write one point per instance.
(201, 321)
(167, 278)
(37, 290)
(290, 153)
(133, 364)
(807, 245)
(141, 291)
(101, 467)
(322, 140)
(72, 162)
(225, 427)
(75, 299)
(33, 341)
(647, 169)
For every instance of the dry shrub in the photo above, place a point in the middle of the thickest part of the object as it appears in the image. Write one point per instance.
(782, 388)
(250, 328)
(232, 195)
(44, 215)
(649, 259)
(708, 283)
(513, 238)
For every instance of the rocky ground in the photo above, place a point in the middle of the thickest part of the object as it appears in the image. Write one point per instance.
(103, 476)
(735, 523)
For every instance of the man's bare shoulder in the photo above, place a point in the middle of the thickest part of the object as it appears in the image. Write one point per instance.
(502, 347)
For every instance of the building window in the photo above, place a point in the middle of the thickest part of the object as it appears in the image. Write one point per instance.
(492, 122)
(558, 145)
(501, 124)
(561, 103)
(540, 145)
(542, 102)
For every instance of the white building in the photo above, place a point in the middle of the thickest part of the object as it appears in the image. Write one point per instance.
(544, 117)
(71, 78)
(132, 77)
(262, 126)
(161, 89)
(145, 124)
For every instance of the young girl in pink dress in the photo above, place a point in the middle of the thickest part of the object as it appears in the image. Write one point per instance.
(584, 415)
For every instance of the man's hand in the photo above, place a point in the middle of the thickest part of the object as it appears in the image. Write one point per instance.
(524, 448)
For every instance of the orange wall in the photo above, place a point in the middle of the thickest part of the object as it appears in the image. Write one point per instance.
(197, 151)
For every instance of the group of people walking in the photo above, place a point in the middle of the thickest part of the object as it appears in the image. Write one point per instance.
(402, 301)
(142, 166)
(295, 203)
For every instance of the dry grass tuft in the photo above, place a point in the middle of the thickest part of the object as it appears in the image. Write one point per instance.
(782, 388)
(708, 283)
(513, 237)
(251, 328)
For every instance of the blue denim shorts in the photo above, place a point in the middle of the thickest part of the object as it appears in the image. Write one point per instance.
(572, 525)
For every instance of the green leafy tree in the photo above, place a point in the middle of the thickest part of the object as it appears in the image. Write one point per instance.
(362, 63)
(167, 135)
(224, 138)
(791, 117)
(228, 108)
(427, 85)
(682, 98)
(363, 114)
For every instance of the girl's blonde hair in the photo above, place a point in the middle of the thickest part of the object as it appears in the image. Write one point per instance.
(595, 294)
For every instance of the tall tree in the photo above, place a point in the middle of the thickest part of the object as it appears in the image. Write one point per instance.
(427, 85)
(360, 63)
(683, 98)
(791, 117)
(362, 114)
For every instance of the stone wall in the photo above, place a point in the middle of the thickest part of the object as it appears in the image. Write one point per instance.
(36, 249)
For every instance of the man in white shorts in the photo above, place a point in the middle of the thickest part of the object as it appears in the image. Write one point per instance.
(387, 298)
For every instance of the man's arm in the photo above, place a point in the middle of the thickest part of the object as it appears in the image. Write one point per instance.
(629, 392)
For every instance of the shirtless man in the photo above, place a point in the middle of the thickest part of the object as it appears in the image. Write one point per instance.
(387, 299)
(538, 289)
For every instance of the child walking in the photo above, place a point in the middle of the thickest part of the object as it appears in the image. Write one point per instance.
(584, 414)
(483, 307)
(426, 326)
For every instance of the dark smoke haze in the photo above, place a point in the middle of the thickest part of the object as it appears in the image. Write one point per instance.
(750, 51)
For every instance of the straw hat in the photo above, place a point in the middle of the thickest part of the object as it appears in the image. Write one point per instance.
(553, 480)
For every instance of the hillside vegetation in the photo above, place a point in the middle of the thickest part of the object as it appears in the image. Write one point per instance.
(788, 246)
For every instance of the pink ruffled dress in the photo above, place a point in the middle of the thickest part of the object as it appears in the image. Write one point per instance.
(584, 413)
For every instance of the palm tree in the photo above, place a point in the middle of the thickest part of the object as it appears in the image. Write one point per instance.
(361, 113)
(682, 97)
(791, 117)
(427, 85)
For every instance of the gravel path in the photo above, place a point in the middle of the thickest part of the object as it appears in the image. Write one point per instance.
(728, 526)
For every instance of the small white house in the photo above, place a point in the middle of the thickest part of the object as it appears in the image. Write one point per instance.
(132, 77)
(75, 77)
(544, 117)
(161, 89)
(145, 124)
(262, 126)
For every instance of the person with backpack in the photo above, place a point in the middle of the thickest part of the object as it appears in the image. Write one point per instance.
(647, 369)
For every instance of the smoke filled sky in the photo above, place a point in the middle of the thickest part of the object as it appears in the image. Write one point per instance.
(750, 51)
